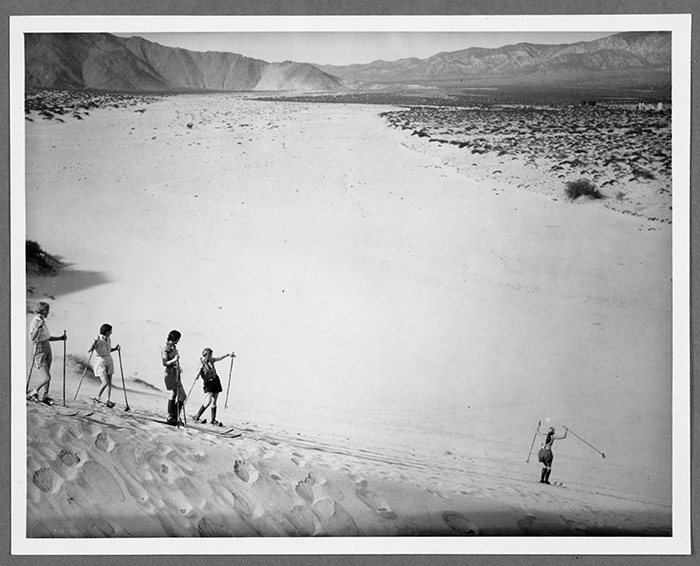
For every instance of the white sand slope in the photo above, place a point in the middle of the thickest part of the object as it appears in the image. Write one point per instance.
(96, 472)
(400, 330)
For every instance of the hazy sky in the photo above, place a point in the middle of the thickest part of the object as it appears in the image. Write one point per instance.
(342, 48)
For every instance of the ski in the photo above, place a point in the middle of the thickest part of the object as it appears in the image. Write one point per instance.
(91, 416)
(552, 484)
(219, 431)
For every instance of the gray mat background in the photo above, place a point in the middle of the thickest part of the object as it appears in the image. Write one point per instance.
(320, 7)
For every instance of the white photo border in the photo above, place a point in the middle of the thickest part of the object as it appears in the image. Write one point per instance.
(678, 543)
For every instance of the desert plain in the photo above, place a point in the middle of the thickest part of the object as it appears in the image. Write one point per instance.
(404, 310)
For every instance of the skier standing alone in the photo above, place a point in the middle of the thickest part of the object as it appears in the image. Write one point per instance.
(545, 454)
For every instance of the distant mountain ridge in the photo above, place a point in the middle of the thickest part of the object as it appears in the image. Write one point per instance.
(623, 51)
(103, 61)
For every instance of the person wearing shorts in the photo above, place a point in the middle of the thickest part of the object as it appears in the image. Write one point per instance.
(41, 338)
(103, 365)
(212, 383)
(173, 382)
(545, 454)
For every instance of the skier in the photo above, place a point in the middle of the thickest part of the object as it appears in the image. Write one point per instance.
(171, 360)
(545, 454)
(212, 384)
(40, 336)
(103, 366)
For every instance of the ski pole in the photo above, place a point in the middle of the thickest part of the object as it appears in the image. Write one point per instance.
(191, 388)
(533, 442)
(121, 369)
(228, 387)
(83, 376)
(31, 367)
(180, 406)
(582, 440)
(65, 339)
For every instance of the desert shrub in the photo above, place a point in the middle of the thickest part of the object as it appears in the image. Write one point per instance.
(582, 188)
(644, 174)
(39, 262)
(82, 366)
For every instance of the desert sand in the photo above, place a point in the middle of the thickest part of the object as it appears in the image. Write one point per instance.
(402, 321)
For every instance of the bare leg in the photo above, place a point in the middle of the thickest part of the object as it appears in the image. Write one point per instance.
(103, 380)
(109, 388)
(106, 384)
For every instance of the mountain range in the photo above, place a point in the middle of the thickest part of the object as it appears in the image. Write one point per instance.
(623, 51)
(103, 61)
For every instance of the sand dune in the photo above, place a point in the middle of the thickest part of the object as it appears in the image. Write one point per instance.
(96, 472)
(401, 326)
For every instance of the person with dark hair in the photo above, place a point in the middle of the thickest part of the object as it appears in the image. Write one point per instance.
(103, 365)
(173, 382)
(212, 384)
(41, 337)
(545, 454)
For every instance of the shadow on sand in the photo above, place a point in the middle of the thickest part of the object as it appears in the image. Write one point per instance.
(66, 282)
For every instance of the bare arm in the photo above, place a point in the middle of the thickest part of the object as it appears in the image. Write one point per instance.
(169, 362)
(563, 436)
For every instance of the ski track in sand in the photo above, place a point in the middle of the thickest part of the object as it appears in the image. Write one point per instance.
(125, 474)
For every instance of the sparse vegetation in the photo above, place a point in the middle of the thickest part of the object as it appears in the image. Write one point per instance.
(81, 365)
(39, 262)
(643, 174)
(144, 384)
(582, 188)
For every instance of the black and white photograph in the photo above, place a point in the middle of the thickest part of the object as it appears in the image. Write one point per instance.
(360, 283)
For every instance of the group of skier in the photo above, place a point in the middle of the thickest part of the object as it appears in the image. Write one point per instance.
(103, 368)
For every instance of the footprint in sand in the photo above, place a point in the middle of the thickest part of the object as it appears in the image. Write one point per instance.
(459, 523)
(69, 458)
(102, 481)
(305, 490)
(298, 459)
(315, 487)
(375, 502)
(247, 472)
(104, 442)
(324, 488)
(44, 479)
